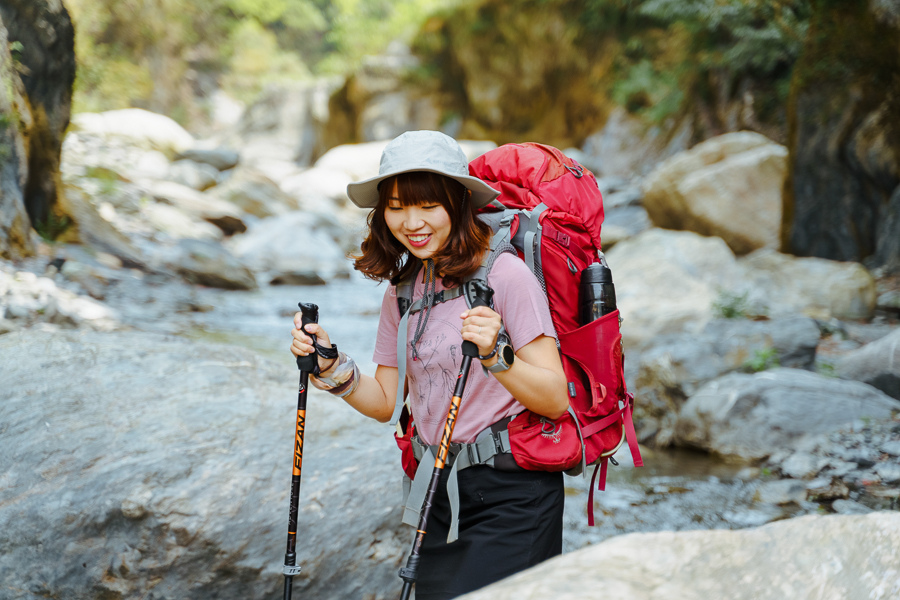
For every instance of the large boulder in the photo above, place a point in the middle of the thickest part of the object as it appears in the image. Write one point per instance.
(376, 102)
(142, 465)
(748, 417)
(729, 186)
(141, 128)
(627, 146)
(15, 225)
(294, 248)
(207, 263)
(844, 165)
(45, 41)
(876, 363)
(667, 281)
(809, 557)
(224, 215)
(675, 366)
(816, 287)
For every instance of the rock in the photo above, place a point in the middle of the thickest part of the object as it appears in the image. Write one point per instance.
(676, 365)
(848, 556)
(164, 465)
(91, 228)
(892, 448)
(841, 199)
(849, 507)
(15, 225)
(208, 263)
(45, 38)
(728, 186)
(781, 491)
(744, 417)
(876, 363)
(295, 247)
(816, 287)
(319, 188)
(667, 281)
(360, 161)
(173, 223)
(220, 158)
(626, 145)
(802, 465)
(255, 194)
(223, 215)
(150, 131)
(621, 222)
(282, 128)
(889, 472)
(26, 299)
(198, 176)
(827, 489)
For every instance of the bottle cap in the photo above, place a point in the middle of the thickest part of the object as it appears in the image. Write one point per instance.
(596, 273)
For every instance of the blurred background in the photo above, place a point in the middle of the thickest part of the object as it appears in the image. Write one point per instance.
(173, 181)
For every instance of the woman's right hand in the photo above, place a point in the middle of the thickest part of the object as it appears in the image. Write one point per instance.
(302, 343)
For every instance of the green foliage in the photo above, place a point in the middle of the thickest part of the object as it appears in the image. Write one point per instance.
(762, 360)
(53, 227)
(731, 306)
(826, 369)
(650, 91)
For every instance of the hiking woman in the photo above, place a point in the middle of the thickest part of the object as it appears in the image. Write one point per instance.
(423, 221)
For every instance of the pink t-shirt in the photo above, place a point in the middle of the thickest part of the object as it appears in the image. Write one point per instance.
(522, 305)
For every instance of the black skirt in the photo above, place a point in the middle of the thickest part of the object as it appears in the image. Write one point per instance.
(508, 522)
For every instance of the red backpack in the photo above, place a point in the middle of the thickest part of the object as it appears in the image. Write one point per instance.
(550, 209)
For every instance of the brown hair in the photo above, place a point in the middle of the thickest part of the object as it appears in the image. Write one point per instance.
(383, 256)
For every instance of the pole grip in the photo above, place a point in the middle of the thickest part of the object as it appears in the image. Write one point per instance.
(309, 313)
(481, 296)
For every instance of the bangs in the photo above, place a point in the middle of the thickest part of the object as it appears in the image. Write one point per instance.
(421, 187)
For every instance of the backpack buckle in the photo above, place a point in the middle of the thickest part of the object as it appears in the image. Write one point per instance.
(577, 170)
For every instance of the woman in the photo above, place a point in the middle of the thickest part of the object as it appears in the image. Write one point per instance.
(424, 211)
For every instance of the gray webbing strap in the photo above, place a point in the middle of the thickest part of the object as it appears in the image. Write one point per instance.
(533, 228)
(401, 367)
(480, 452)
(443, 296)
(580, 468)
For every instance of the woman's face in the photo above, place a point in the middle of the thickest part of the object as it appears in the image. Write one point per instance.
(421, 228)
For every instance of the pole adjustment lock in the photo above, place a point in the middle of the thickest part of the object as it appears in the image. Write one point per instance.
(291, 570)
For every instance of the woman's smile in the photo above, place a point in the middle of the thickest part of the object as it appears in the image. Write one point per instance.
(422, 228)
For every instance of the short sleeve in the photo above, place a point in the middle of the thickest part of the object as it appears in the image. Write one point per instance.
(520, 301)
(386, 340)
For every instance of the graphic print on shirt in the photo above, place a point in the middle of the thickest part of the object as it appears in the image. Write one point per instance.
(436, 355)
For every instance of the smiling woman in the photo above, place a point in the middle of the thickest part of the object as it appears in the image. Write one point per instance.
(492, 519)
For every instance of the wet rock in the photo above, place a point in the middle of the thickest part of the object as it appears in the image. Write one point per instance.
(849, 507)
(802, 465)
(856, 557)
(208, 263)
(876, 363)
(728, 186)
(745, 417)
(827, 489)
(782, 491)
(138, 127)
(178, 484)
(889, 472)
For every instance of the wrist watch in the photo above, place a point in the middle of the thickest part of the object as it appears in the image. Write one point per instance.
(505, 357)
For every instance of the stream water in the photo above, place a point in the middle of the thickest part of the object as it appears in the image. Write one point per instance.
(675, 490)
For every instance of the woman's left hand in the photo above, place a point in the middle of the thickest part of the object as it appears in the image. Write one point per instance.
(481, 325)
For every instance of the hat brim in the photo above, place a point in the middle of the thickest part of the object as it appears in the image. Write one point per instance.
(364, 193)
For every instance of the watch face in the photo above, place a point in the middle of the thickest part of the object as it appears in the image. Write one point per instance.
(508, 354)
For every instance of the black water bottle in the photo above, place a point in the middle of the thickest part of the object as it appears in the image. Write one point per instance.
(597, 294)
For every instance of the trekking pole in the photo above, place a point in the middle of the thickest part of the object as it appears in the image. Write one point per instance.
(410, 573)
(307, 364)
